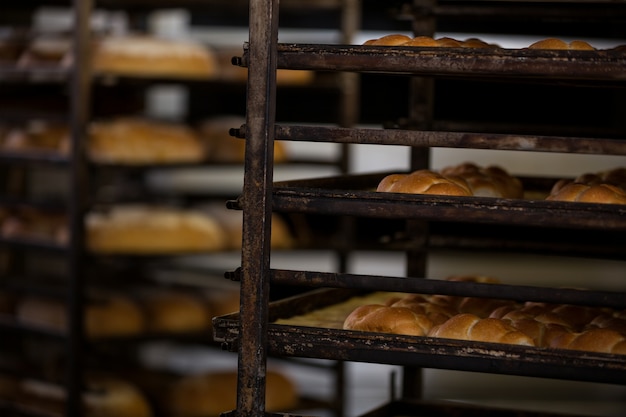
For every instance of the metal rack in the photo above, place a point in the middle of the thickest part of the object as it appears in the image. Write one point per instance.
(253, 332)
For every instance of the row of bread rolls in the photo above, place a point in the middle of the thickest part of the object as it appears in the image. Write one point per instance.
(561, 326)
(205, 394)
(428, 41)
(110, 313)
(137, 141)
(138, 55)
(469, 179)
(104, 396)
(143, 229)
(466, 179)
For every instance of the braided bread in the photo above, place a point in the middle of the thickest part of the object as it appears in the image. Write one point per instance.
(424, 182)
(491, 181)
(467, 326)
(381, 318)
(596, 193)
(592, 340)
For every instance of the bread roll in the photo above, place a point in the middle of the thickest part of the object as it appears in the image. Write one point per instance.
(592, 340)
(385, 319)
(38, 136)
(104, 397)
(212, 393)
(168, 310)
(389, 40)
(420, 305)
(34, 224)
(136, 141)
(106, 315)
(491, 181)
(145, 56)
(424, 182)
(553, 43)
(222, 147)
(598, 193)
(152, 230)
(471, 327)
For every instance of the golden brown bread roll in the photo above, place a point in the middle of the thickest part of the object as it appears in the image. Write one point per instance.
(152, 230)
(146, 56)
(386, 319)
(466, 326)
(34, 224)
(453, 301)
(420, 305)
(169, 310)
(592, 340)
(136, 141)
(446, 42)
(222, 147)
(104, 397)
(106, 315)
(389, 40)
(38, 136)
(424, 182)
(553, 43)
(597, 193)
(212, 393)
(490, 181)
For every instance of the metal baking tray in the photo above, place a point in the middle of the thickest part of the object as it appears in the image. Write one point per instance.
(424, 352)
(355, 195)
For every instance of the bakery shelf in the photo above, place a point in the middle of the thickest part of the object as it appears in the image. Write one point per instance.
(427, 352)
(354, 195)
(520, 64)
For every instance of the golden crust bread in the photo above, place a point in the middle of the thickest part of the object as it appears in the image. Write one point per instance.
(171, 311)
(146, 56)
(490, 181)
(152, 230)
(386, 319)
(583, 193)
(212, 393)
(105, 316)
(554, 43)
(136, 141)
(424, 182)
(471, 327)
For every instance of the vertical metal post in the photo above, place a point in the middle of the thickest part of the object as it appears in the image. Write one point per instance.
(79, 116)
(257, 207)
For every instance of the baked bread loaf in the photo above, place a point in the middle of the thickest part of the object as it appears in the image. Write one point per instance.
(104, 397)
(388, 319)
(212, 393)
(137, 141)
(583, 193)
(490, 181)
(222, 147)
(467, 326)
(172, 311)
(592, 340)
(553, 43)
(424, 182)
(47, 50)
(38, 137)
(34, 224)
(152, 230)
(420, 41)
(146, 56)
(106, 315)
